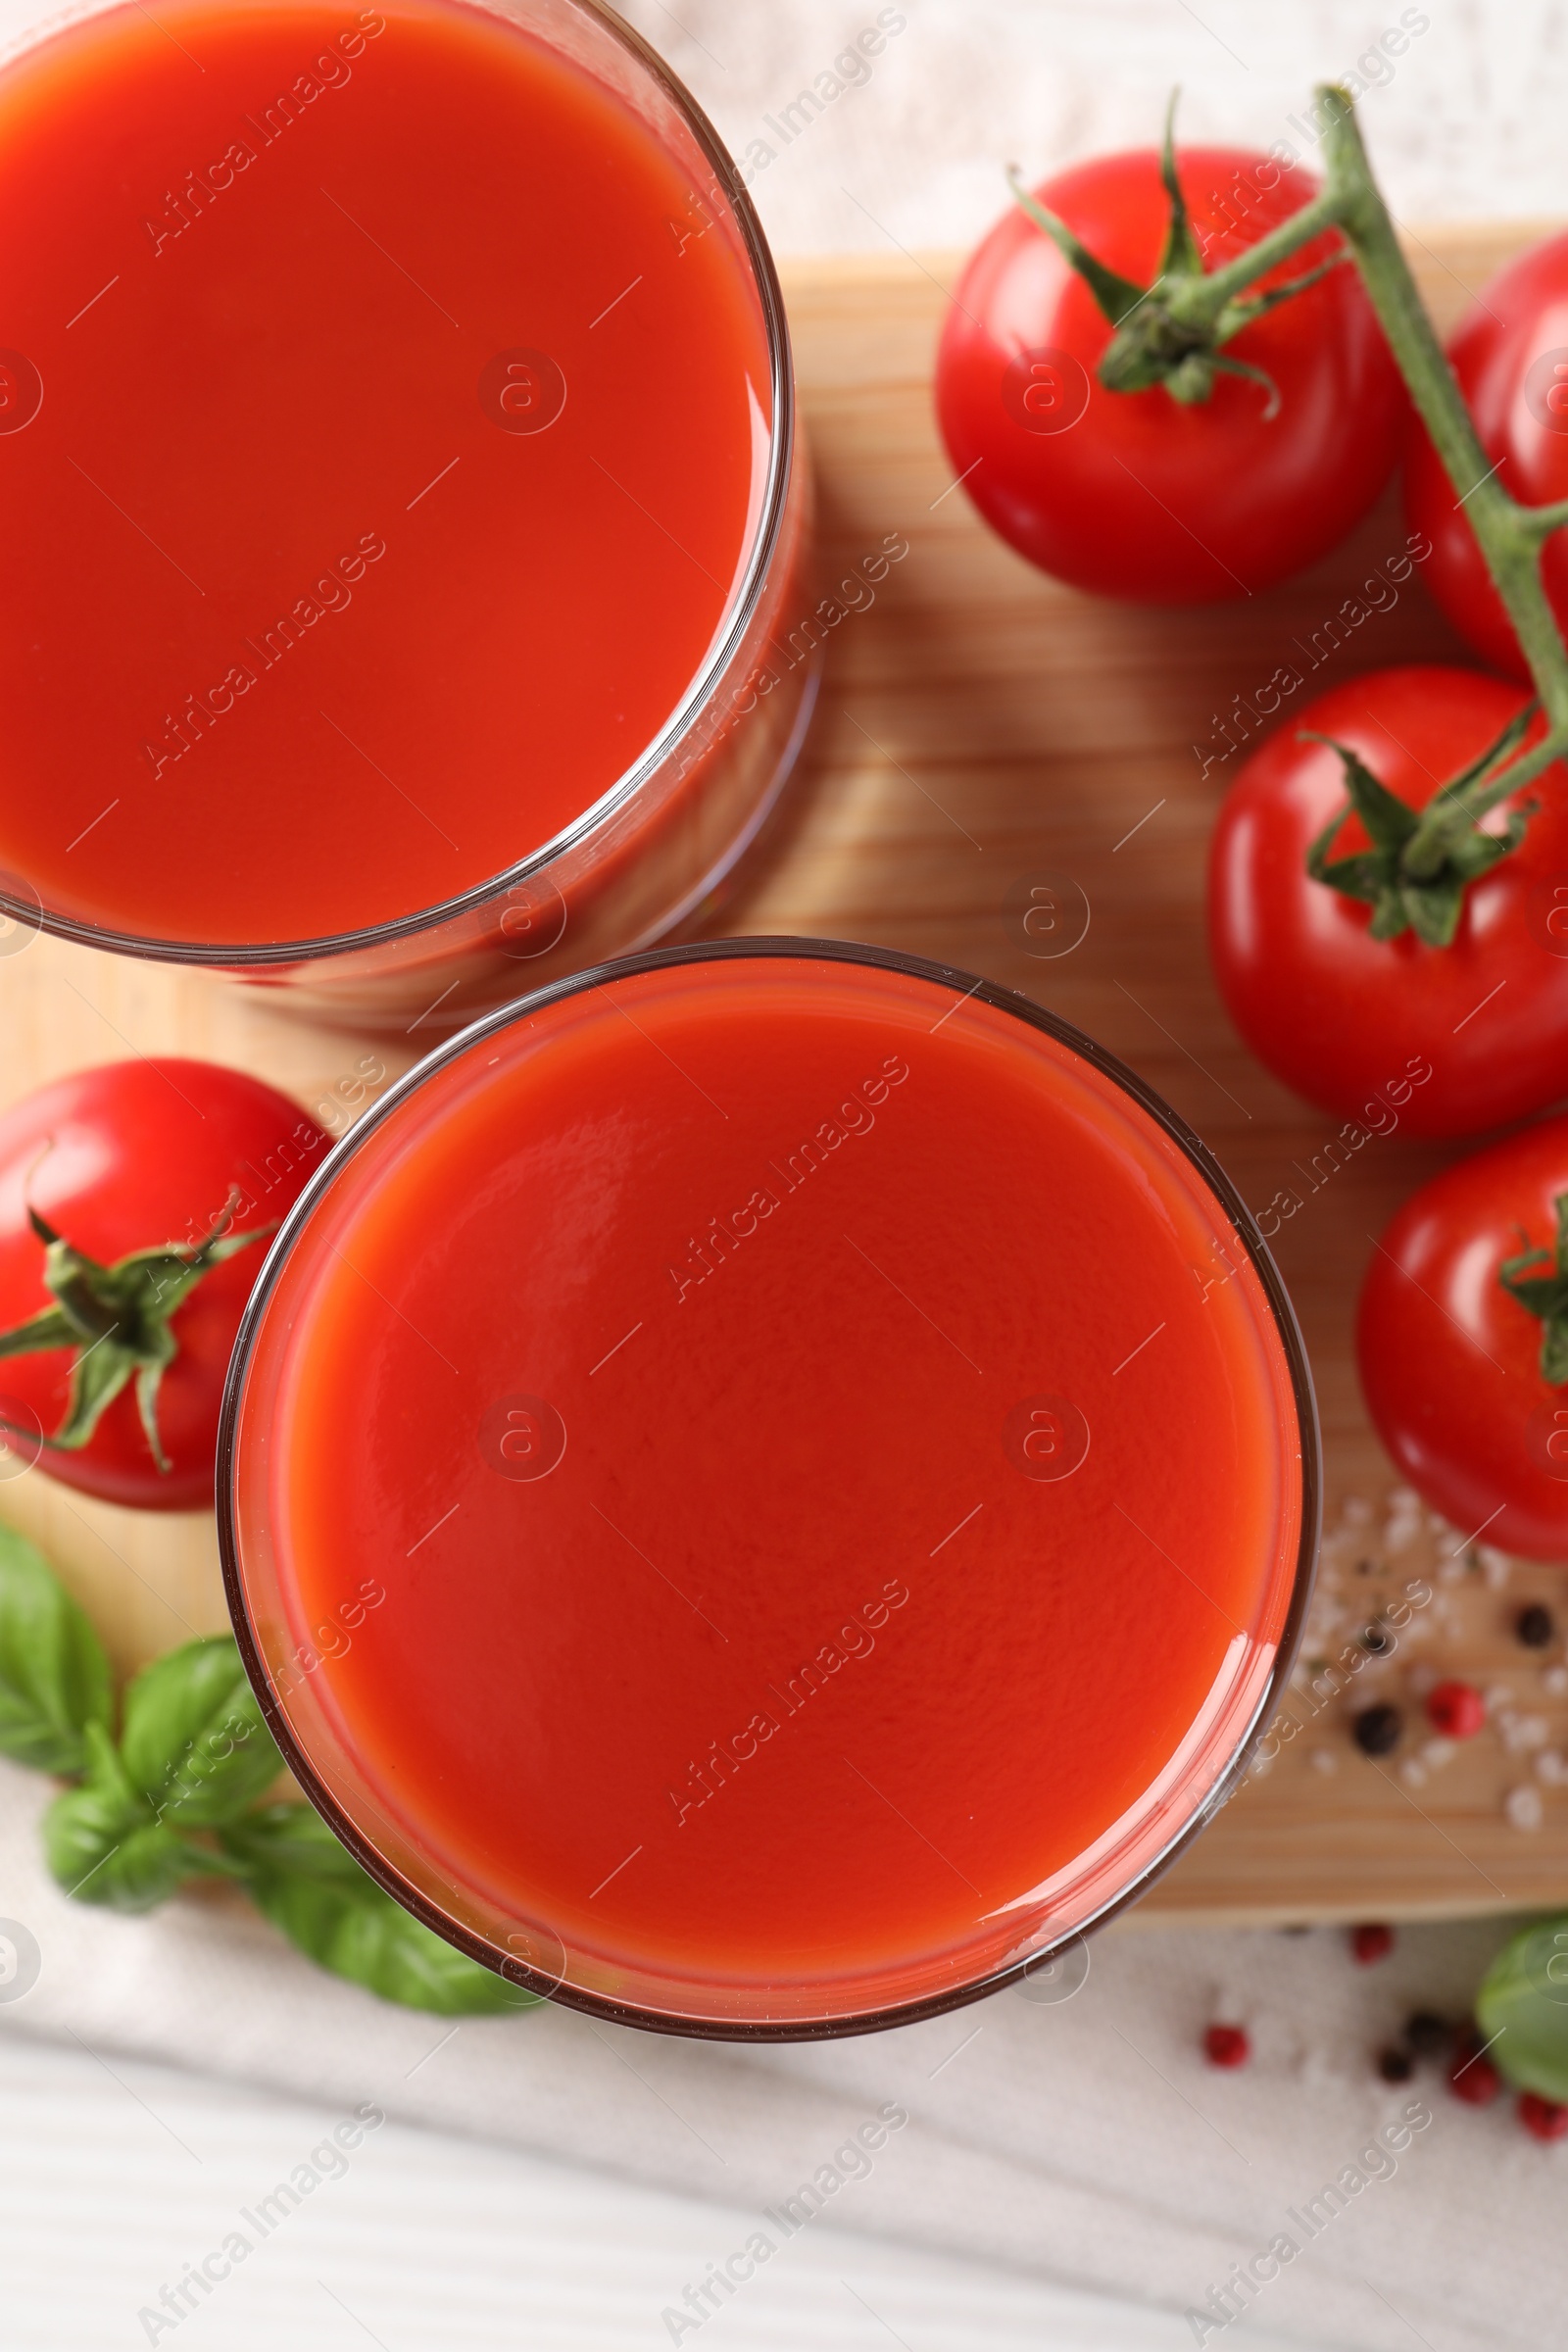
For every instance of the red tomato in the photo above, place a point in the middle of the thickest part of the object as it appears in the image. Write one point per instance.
(1511, 355)
(1131, 493)
(1451, 1362)
(135, 1156)
(1442, 1040)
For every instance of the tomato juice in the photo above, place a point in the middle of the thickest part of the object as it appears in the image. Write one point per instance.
(394, 430)
(835, 1470)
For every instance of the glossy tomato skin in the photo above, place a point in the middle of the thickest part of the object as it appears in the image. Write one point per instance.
(1511, 355)
(1130, 493)
(130, 1156)
(1450, 1364)
(1442, 1040)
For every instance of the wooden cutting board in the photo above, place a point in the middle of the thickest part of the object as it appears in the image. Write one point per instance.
(981, 728)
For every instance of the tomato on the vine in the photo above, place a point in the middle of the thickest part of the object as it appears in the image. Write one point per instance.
(1139, 494)
(135, 1202)
(1462, 1340)
(1510, 356)
(1445, 1041)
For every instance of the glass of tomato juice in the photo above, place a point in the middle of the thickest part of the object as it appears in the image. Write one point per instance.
(766, 1487)
(400, 488)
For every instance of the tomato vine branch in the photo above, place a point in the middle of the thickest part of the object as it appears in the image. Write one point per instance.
(1444, 846)
(1173, 334)
(1510, 536)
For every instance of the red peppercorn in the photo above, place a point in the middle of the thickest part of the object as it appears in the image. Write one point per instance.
(1544, 2119)
(1472, 2077)
(1457, 1709)
(1226, 2045)
(1371, 1943)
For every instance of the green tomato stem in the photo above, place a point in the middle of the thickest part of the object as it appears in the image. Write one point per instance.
(1199, 301)
(1510, 536)
(1173, 334)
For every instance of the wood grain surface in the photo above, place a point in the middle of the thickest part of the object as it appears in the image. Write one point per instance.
(981, 728)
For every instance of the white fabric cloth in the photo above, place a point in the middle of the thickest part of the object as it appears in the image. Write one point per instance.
(1086, 2142)
(1464, 124)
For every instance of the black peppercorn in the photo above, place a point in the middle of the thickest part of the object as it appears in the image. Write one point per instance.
(1534, 1626)
(1376, 1730)
(1396, 2066)
(1427, 2033)
(1377, 1639)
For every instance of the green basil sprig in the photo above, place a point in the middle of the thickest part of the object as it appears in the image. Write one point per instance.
(180, 1796)
(194, 1741)
(105, 1845)
(312, 1888)
(54, 1677)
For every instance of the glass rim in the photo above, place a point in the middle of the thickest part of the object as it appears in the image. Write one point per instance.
(1199, 1158)
(28, 911)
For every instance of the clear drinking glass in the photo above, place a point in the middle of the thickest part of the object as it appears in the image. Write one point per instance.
(653, 842)
(989, 1497)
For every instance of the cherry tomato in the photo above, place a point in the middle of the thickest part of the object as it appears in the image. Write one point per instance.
(1450, 1358)
(1511, 355)
(1132, 493)
(146, 1161)
(1440, 1040)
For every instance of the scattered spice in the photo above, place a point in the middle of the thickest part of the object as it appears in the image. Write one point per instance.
(1396, 2065)
(1472, 2077)
(1376, 1730)
(1371, 1941)
(1534, 1624)
(1226, 2045)
(1523, 1807)
(1457, 1709)
(1427, 2033)
(1542, 2119)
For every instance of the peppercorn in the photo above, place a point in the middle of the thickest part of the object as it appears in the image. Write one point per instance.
(1370, 1943)
(1427, 2033)
(1375, 1638)
(1542, 2119)
(1472, 2077)
(1534, 1625)
(1376, 1730)
(1457, 1709)
(1396, 2066)
(1226, 2045)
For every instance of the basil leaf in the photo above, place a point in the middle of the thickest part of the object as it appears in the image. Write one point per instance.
(104, 1846)
(310, 1886)
(1524, 2002)
(195, 1741)
(295, 1839)
(54, 1676)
